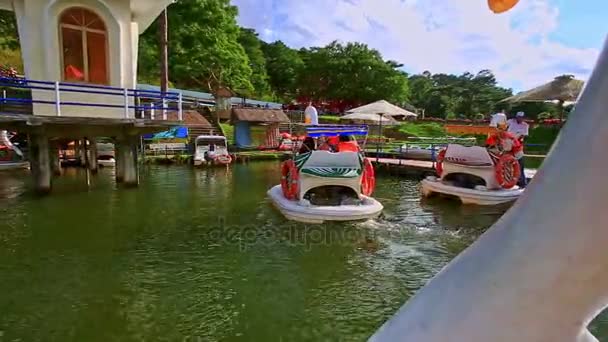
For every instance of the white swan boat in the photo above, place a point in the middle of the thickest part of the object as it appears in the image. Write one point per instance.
(106, 162)
(327, 185)
(211, 150)
(539, 273)
(475, 176)
(19, 165)
(11, 157)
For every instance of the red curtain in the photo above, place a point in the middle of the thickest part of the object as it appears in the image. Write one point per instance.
(96, 50)
(73, 55)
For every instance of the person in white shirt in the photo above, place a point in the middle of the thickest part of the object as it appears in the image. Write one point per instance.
(520, 129)
(311, 116)
(498, 119)
(518, 126)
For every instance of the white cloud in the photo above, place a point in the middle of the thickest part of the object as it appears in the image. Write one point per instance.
(436, 35)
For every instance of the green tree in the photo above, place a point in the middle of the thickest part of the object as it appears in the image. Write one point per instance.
(464, 96)
(249, 40)
(284, 66)
(353, 73)
(9, 37)
(204, 49)
(10, 53)
(149, 56)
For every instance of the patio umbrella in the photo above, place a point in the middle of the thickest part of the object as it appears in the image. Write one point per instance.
(562, 89)
(367, 117)
(382, 107)
(375, 113)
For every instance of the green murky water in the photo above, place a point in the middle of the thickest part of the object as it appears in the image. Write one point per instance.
(200, 255)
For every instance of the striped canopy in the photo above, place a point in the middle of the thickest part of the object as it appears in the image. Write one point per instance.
(335, 130)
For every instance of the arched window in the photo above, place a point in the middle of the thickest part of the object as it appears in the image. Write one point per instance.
(84, 46)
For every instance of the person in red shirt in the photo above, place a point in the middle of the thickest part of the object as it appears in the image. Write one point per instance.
(348, 144)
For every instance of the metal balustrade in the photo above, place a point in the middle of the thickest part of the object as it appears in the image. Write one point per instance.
(127, 102)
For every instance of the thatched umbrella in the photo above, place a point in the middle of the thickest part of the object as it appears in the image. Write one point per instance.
(562, 89)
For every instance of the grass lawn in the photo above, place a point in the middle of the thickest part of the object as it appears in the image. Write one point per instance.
(423, 129)
(229, 132)
(329, 119)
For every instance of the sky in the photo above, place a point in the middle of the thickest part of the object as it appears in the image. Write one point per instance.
(525, 47)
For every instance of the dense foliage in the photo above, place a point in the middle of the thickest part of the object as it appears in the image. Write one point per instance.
(207, 49)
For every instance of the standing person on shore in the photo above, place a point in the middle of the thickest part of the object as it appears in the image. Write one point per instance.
(311, 116)
(520, 129)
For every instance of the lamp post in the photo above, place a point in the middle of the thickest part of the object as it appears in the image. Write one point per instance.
(380, 137)
(164, 54)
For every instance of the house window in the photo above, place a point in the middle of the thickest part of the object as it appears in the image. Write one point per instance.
(84, 46)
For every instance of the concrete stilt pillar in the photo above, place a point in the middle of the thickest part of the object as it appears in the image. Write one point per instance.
(93, 165)
(40, 162)
(131, 174)
(119, 168)
(54, 158)
(79, 150)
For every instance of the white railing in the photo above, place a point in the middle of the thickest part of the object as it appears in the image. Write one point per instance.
(88, 100)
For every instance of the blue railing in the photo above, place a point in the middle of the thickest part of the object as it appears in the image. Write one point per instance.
(136, 100)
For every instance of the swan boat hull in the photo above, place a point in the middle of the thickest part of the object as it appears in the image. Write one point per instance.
(5, 166)
(295, 211)
(432, 185)
(107, 162)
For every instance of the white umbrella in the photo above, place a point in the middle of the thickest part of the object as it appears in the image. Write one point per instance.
(382, 107)
(374, 118)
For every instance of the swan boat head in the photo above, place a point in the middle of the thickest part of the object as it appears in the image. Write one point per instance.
(541, 272)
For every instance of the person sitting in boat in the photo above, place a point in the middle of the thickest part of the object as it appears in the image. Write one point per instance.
(347, 143)
(210, 155)
(308, 145)
(331, 144)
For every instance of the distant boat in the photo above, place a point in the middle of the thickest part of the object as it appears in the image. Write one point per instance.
(11, 157)
(19, 165)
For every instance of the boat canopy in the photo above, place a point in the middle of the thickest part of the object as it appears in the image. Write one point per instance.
(335, 130)
(210, 139)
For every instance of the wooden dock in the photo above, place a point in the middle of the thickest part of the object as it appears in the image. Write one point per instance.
(417, 168)
(407, 167)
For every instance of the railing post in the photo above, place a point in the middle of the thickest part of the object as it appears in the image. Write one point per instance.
(57, 100)
(180, 112)
(164, 107)
(126, 95)
(152, 111)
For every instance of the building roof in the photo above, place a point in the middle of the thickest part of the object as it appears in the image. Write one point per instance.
(144, 12)
(259, 115)
(207, 97)
(562, 88)
(191, 118)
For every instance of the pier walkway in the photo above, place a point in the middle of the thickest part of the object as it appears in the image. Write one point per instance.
(416, 167)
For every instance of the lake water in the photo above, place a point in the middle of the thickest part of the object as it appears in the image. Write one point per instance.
(201, 255)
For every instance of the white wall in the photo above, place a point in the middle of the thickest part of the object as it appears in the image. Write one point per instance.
(38, 22)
